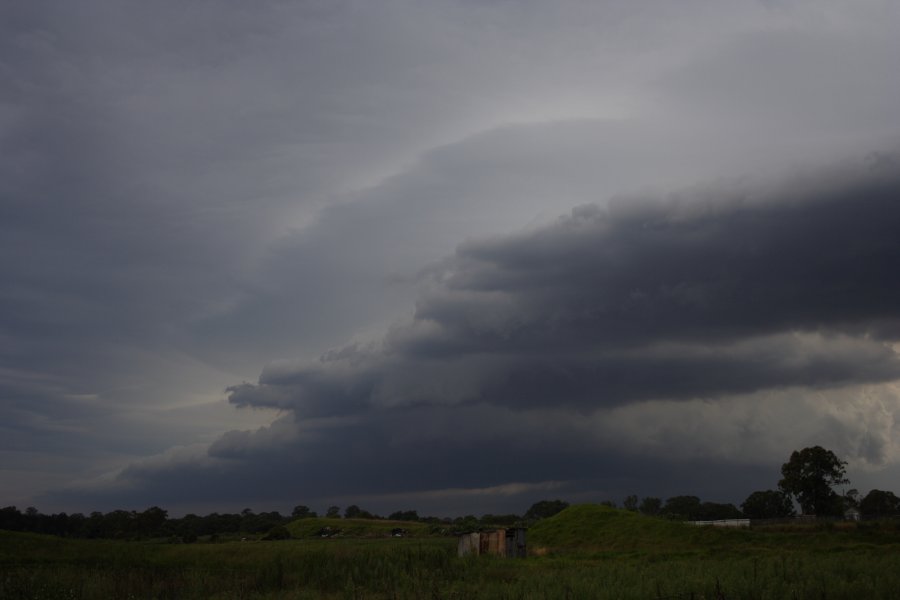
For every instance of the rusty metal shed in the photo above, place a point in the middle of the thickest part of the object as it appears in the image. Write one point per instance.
(509, 543)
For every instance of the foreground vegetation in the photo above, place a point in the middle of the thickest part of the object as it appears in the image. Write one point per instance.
(583, 552)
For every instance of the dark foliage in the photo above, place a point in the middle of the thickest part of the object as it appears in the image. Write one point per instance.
(682, 508)
(715, 511)
(650, 506)
(132, 525)
(630, 503)
(544, 509)
(279, 532)
(809, 476)
(355, 512)
(768, 504)
(302, 512)
(404, 515)
(879, 503)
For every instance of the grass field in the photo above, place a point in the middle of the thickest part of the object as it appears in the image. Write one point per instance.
(584, 552)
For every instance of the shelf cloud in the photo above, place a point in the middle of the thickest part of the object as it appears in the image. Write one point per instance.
(469, 253)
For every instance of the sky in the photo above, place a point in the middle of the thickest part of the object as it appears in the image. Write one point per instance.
(454, 256)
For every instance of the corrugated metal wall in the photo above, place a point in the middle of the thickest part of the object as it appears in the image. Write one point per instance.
(515, 543)
(494, 542)
(469, 543)
(509, 543)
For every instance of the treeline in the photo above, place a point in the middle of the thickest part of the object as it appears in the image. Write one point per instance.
(809, 477)
(682, 508)
(151, 523)
(155, 522)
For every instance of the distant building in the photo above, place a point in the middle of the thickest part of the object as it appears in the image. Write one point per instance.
(723, 523)
(851, 514)
(509, 543)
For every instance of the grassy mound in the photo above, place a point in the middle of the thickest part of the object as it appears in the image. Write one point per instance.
(601, 528)
(355, 528)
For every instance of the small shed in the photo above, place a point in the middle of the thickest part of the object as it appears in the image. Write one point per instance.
(508, 543)
(852, 514)
(515, 543)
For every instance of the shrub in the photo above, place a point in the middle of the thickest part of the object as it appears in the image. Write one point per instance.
(279, 532)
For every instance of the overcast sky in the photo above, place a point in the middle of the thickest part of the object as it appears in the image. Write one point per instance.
(454, 256)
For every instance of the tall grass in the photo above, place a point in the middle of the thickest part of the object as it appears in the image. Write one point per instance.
(659, 560)
(33, 566)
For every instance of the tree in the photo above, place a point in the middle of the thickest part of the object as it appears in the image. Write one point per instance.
(650, 506)
(355, 512)
(302, 512)
(809, 476)
(11, 519)
(715, 511)
(630, 503)
(404, 515)
(489, 520)
(768, 504)
(278, 532)
(685, 508)
(878, 503)
(466, 523)
(544, 509)
(334, 512)
(151, 521)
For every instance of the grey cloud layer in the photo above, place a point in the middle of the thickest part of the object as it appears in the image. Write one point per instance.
(191, 191)
(685, 269)
(712, 292)
(562, 354)
(398, 458)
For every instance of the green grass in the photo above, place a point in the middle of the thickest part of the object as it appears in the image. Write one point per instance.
(35, 566)
(593, 529)
(591, 552)
(597, 527)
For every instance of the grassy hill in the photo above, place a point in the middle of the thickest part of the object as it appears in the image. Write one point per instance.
(355, 528)
(596, 527)
(599, 529)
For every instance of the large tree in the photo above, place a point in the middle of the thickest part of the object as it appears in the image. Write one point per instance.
(809, 476)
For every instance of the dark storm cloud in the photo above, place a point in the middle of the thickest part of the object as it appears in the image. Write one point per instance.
(613, 344)
(151, 153)
(427, 457)
(190, 191)
(712, 291)
(688, 269)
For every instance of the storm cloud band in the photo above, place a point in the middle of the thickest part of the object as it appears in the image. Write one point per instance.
(706, 293)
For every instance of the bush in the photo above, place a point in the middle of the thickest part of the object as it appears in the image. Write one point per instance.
(279, 532)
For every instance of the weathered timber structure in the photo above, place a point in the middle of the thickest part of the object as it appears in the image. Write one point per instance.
(509, 543)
